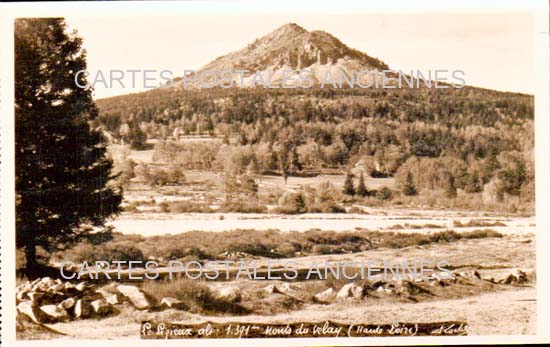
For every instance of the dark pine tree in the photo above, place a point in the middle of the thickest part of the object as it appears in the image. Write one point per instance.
(62, 171)
(136, 136)
(473, 183)
(450, 188)
(409, 189)
(349, 189)
(361, 187)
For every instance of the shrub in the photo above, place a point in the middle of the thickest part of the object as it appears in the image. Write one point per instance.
(477, 223)
(193, 253)
(131, 207)
(255, 249)
(243, 207)
(196, 295)
(361, 187)
(110, 251)
(185, 206)
(481, 233)
(286, 249)
(450, 188)
(349, 189)
(384, 193)
(175, 175)
(292, 203)
(409, 189)
(355, 209)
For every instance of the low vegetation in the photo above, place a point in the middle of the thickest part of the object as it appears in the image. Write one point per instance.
(477, 223)
(200, 245)
(197, 296)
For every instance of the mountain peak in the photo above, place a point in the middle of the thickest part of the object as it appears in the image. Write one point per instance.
(292, 46)
(290, 27)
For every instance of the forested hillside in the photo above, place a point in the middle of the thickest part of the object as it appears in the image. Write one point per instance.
(471, 134)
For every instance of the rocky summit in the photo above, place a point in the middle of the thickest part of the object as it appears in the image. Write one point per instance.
(293, 48)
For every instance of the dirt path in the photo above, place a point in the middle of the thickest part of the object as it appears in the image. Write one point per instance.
(508, 312)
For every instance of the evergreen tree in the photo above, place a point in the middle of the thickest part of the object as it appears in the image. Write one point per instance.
(300, 203)
(473, 183)
(362, 188)
(295, 164)
(450, 189)
(409, 189)
(136, 137)
(209, 125)
(284, 162)
(226, 139)
(62, 171)
(349, 189)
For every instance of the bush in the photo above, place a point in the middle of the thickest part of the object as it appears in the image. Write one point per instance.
(286, 249)
(243, 207)
(326, 207)
(384, 193)
(320, 200)
(292, 203)
(130, 207)
(255, 249)
(349, 189)
(477, 223)
(185, 206)
(110, 251)
(197, 296)
(175, 175)
(409, 189)
(355, 209)
(193, 253)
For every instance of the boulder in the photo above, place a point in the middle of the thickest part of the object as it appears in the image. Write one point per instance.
(516, 277)
(383, 290)
(69, 285)
(136, 296)
(67, 304)
(521, 276)
(113, 299)
(470, 274)
(35, 297)
(271, 289)
(438, 282)
(101, 307)
(32, 311)
(82, 286)
(324, 297)
(25, 287)
(229, 293)
(443, 276)
(350, 290)
(58, 287)
(22, 295)
(410, 289)
(111, 295)
(82, 309)
(168, 302)
(48, 281)
(292, 291)
(54, 313)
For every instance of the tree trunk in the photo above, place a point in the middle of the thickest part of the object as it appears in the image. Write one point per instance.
(30, 257)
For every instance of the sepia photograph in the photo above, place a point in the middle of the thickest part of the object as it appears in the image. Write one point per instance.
(240, 172)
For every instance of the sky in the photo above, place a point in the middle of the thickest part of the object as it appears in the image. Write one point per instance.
(493, 48)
